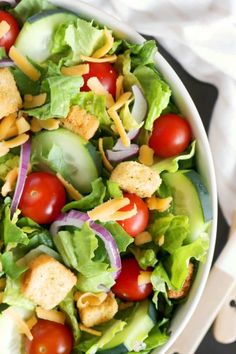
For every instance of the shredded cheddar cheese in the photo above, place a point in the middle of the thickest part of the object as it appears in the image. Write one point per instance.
(20, 323)
(120, 215)
(121, 101)
(95, 85)
(22, 125)
(106, 59)
(119, 86)
(90, 330)
(159, 204)
(4, 28)
(31, 322)
(50, 315)
(142, 238)
(23, 64)
(10, 181)
(101, 52)
(34, 101)
(146, 155)
(73, 193)
(119, 127)
(105, 161)
(144, 278)
(108, 208)
(76, 70)
(161, 240)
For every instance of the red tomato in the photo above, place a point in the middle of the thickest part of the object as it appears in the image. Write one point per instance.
(171, 135)
(49, 338)
(9, 38)
(105, 73)
(137, 223)
(42, 198)
(126, 286)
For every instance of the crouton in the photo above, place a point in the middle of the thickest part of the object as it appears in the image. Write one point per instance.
(134, 177)
(47, 282)
(180, 294)
(81, 122)
(93, 315)
(10, 99)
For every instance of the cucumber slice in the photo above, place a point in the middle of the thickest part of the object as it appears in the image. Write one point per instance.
(35, 37)
(68, 154)
(191, 198)
(135, 332)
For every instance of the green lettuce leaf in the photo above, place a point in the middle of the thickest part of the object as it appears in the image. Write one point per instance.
(123, 240)
(160, 281)
(2, 53)
(68, 307)
(81, 38)
(93, 104)
(13, 295)
(7, 163)
(157, 93)
(128, 120)
(142, 54)
(171, 164)
(114, 190)
(174, 228)
(25, 84)
(177, 264)
(10, 267)
(96, 283)
(28, 8)
(90, 201)
(11, 233)
(62, 90)
(145, 257)
(123, 66)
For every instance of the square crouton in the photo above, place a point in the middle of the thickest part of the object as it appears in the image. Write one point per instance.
(93, 315)
(47, 282)
(10, 99)
(81, 122)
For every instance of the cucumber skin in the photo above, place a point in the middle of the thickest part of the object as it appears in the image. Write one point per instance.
(203, 194)
(120, 349)
(43, 14)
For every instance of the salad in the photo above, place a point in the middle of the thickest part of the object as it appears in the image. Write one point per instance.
(104, 217)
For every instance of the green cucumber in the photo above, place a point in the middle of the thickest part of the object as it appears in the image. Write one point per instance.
(135, 332)
(35, 37)
(68, 154)
(191, 198)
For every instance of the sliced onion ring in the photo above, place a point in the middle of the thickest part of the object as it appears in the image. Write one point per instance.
(121, 155)
(6, 63)
(140, 106)
(77, 219)
(22, 174)
(132, 134)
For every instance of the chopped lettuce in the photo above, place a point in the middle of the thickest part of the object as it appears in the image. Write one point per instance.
(7, 163)
(171, 164)
(68, 307)
(177, 264)
(10, 267)
(2, 53)
(145, 257)
(90, 201)
(157, 93)
(123, 65)
(128, 120)
(13, 296)
(142, 54)
(93, 104)
(123, 240)
(114, 190)
(160, 281)
(174, 228)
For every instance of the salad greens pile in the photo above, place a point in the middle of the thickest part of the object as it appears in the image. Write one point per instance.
(179, 234)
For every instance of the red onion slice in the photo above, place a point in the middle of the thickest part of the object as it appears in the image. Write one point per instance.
(6, 63)
(132, 134)
(22, 174)
(77, 219)
(117, 156)
(140, 106)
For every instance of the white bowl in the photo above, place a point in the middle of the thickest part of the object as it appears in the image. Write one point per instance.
(204, 158)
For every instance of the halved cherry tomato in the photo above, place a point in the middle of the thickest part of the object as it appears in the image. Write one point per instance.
(137, 223)
(43, 197)
(10, 37)
(49, 338)
(126, 286)
(171, 135)
(105, 73)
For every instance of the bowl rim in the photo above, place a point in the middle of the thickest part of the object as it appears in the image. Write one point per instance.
(206, 167)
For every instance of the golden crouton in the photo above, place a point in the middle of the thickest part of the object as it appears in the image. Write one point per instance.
(81, 122)
(91, 315)
(10, 99)
(180, 294)
(134, 177)
(47, 282)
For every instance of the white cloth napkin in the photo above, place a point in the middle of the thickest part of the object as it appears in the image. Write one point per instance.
(201, 35)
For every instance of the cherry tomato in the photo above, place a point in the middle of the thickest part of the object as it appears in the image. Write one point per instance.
(126, 286)
(170, 136)
(105, 73)
(42, 198)
(49, 338)
(9, 38)
(137, 223)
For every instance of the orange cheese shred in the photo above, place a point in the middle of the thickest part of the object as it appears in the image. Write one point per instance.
(105, 161)
(75, 70)
(101, 52)
(108, 208)
(23, 64)
(50, 315)
(95, 85)
(106, 59)
(4, 28)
